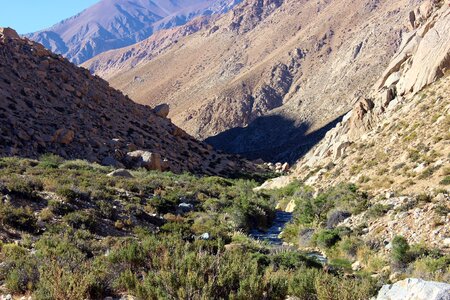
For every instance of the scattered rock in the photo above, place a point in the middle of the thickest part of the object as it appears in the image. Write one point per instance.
(356, 266)
(185, 208)
(49, 105)
(415, 289)
(205, 236)
(63, 136)
(394, 276)
(275, 183)
(120, 173)
(390, 194)
(290, 207)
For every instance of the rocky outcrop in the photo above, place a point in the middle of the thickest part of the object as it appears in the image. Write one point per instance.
(415, 289)
(8, 33)
(145, 159)
(48, 105)
(424, 55)
(422, 58)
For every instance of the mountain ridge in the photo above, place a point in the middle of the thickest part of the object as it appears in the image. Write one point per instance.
(112, 24)
(262, 59)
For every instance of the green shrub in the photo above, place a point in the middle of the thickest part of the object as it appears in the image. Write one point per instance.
(445, 181)
(330, 287)
(442, 210)
(69, 194)
(25, 187)
(58, 281)
(20, 269)
(60, 208)
(18, 218)
(294, 260)
(399, 251)
(326, 238)
(80, 219)
(423, 197)
(434, 269)
(50, 161)
(302, 284)
(378, 210)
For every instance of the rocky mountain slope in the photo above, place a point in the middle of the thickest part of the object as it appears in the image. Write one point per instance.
(278, 70)
(113, 62)
(405, 118)
(395, 143)
(112, 24)
(48, 105)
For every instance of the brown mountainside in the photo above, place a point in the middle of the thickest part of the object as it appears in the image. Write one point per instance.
(48, 105)
(395, 143)
(280, 69)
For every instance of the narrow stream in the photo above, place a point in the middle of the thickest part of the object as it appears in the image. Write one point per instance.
(271, 235)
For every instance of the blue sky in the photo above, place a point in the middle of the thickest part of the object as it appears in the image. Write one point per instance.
(32, 15)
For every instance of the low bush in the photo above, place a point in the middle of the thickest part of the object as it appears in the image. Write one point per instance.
(18, 218)
(378, 210)
(399, 251)
(326, 238)
(50, 161)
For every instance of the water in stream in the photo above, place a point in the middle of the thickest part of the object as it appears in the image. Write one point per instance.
(271, 235)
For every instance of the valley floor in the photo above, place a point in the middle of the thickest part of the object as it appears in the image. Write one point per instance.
(74, 230)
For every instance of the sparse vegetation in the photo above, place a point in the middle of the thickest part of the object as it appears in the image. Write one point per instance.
(97, 236)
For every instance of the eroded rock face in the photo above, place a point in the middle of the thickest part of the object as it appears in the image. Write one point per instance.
(415, 289)
(422, 58)
(424, 55)
(48, 105)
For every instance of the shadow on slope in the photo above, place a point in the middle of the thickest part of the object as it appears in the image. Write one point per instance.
(271, 138)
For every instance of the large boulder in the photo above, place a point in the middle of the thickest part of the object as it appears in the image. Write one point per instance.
(415, 289)
(145, 159)
(162, 110)
(63, 136)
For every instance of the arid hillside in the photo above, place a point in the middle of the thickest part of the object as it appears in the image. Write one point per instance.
(395, 143)
(48, 105)
(277, 70)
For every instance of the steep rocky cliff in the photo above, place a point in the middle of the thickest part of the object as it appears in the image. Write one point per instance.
(408, 92)
(48, 105)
